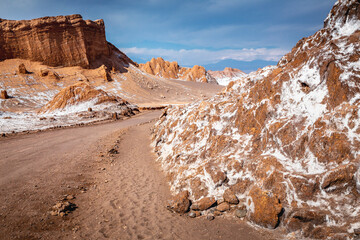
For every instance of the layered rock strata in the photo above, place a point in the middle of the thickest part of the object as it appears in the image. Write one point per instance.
(60, 41)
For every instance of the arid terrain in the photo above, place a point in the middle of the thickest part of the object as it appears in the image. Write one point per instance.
(96, 146)
(110, 173)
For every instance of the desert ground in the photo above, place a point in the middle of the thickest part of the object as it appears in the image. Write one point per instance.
(110, 174)
(94, 145)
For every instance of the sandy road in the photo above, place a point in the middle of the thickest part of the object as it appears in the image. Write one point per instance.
(119, 196)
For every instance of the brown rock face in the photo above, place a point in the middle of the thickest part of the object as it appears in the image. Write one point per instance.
(204, 203)
(267, 208)
(3, 94)
(171, 70)
(60, 41)
(180, 203)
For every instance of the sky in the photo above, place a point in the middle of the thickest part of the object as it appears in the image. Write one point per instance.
(245, 34)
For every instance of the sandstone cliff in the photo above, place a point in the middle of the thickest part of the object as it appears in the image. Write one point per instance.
(285, 140)
(227, 75)
(60, 41)
(171, 70)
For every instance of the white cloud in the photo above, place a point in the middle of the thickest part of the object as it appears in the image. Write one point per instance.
(222, 5)
(204, 56)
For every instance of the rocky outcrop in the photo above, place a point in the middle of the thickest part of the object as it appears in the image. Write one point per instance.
(227, 75)
(171, 70)
(286, 137)
(60, 41)
(77, 94)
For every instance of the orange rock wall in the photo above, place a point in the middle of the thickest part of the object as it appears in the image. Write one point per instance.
(56, 41)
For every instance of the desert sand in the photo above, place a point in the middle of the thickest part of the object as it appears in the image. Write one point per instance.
(111, 175)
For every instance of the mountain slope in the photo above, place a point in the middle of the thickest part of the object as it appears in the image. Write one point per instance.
(285, 140)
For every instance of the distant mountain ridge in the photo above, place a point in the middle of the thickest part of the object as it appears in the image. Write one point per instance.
(171, 70)
(227, 75)
(245, 66)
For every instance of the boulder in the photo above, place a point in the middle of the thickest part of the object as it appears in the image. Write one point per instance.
(230, 197)
(265, 208)
(49, 73)
(3, 94)
(223, 207)
(22, 69)
(204, 203)
(181, 203)
(240, 213)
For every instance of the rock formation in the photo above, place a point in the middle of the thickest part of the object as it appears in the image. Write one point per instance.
(180, 203)
(49, 73)
(227, 75)
(22, 69)
(80, 93)
(3, 94)
(60, 41)
(285, 139)
(171, 70)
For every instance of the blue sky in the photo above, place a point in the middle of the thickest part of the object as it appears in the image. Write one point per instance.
(203, 32)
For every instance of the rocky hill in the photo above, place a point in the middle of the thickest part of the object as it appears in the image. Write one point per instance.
(227, 75)
(80, 96)
(60, 41)
(171, 70)
(282, 143)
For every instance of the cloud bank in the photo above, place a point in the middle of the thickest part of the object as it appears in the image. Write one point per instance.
(204, 56)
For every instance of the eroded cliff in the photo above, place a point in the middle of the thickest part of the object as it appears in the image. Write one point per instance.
(60, 41)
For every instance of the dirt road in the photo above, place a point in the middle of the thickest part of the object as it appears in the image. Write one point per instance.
(119, 195)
